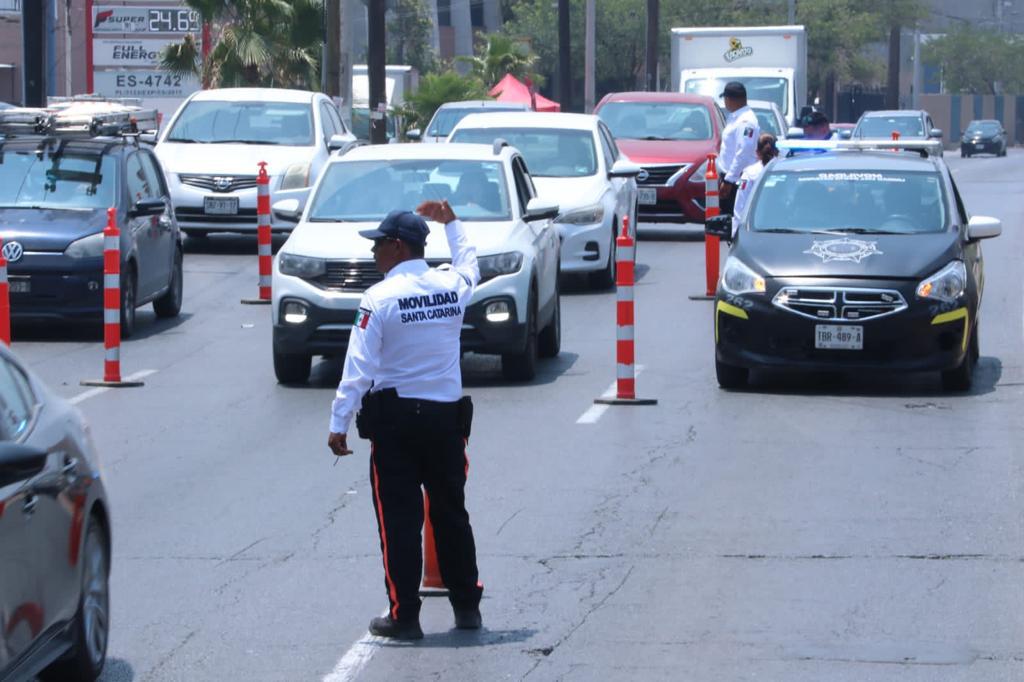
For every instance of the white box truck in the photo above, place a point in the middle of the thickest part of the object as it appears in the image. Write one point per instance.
(771, 61)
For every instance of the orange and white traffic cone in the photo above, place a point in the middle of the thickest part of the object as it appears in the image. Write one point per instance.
(432, 585)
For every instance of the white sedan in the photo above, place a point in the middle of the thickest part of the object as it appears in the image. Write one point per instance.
(322, 270)
(574, 161)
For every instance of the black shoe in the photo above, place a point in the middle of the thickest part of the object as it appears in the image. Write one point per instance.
(386, 627)
(468, 619)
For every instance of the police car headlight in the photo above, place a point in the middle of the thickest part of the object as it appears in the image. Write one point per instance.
(947, 285)
(582, 216)
(296, 176)
(301, 266)
(499, 264)
(86, 247)
(737, 278)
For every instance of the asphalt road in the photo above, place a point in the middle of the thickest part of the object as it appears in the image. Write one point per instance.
(810, 528)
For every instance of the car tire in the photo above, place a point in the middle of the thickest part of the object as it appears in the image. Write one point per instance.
(605, 278)
(90, 629)
(129, 290)
(523, 366)
(292, 368)
(169, 305)
(550, 341)
(963, 154)
(731, 376)
(197, 234)
(961, 377)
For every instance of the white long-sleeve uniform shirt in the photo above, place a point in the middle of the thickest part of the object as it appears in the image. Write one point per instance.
(748, 178)
(406, 335)
(739, 143)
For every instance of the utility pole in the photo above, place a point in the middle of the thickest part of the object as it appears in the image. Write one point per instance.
(375, 63)
(892, 94)
(564, 69)
(33, 40)
(791, 12)
(589, 58)
(651, 56)
(345, 61)
(331, 84)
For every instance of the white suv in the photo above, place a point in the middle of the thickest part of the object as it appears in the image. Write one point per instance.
(574, 160)
(212, 146)
(322, 270)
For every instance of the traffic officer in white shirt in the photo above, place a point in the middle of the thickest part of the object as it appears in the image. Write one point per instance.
(402, 364)
(739, 140)
(766, 151)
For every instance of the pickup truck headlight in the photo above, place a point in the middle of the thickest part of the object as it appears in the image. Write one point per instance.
(947, 285)
(301, 266)
(587, 215)
(737, 278)
(499, 264)
(297, 176)
(86, 247)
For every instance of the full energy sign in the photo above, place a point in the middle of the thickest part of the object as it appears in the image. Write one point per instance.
(129, 53)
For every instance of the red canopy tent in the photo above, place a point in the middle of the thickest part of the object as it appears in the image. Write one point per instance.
(511, 89)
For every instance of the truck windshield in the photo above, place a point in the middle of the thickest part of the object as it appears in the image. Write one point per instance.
(843, 201)
(657, 120)
(57, 181)
(770, 89)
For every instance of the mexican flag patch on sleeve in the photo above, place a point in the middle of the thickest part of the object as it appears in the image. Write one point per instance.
(362, 318)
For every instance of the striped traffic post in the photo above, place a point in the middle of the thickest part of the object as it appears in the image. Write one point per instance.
(263, 236)
(111, 307)
(625, 322)
(711, 245)
(5, 300)
(432, 585)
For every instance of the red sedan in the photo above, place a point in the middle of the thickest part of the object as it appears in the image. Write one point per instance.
(670, 135)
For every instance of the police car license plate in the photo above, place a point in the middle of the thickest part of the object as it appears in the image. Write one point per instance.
(839, 337)
(220, 205)
(648, 196)
(21, 285)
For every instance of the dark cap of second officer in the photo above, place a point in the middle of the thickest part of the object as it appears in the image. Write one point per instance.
(404, 225)
(734, 90)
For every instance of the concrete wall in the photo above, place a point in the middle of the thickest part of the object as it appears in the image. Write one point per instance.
(952, 113)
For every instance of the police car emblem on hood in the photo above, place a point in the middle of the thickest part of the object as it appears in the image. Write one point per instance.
(845, 249)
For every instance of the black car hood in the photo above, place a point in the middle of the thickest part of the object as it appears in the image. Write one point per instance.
(48, 229)
(854, 256)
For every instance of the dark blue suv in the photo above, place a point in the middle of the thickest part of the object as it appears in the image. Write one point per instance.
(54, 194)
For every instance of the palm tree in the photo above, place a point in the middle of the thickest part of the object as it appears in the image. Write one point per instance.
(258, 42)
(500, 55)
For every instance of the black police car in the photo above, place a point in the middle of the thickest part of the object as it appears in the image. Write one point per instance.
(983, 137)
(56, 183)
(859, 257)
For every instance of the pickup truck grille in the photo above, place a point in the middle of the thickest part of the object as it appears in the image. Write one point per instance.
(353, 275)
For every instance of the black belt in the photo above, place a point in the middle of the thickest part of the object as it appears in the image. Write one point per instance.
(391, 400)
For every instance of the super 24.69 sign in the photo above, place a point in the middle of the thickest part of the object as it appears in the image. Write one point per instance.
(120, 19)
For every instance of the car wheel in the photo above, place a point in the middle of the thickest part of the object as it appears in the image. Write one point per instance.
(523, 366)
(731, 376)
(605, 278)
(91, 626)
(292, 368)
(550, 341)
(963, 154)
(128, 290)
(169, 305)
(961, 377)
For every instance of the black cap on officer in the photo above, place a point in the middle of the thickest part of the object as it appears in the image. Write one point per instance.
(813, 118)
(734, 90)
(404, 225)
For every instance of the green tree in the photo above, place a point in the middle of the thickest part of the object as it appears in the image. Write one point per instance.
(436, 89)
(977, 61)
(499, 55)
(410, 31)
(256, 43)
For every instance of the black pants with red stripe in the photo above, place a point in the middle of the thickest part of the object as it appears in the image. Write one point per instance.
(419, 443)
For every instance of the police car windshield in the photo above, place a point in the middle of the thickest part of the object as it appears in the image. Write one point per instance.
(549, 152)
(769, 89)
(854, 202)
(657, 120)
(64, 181)
(366, 191)
(885, 126)
(277, 123)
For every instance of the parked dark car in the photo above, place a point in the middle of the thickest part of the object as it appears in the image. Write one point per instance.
(54, 196)
(54, 535)
(983, 137)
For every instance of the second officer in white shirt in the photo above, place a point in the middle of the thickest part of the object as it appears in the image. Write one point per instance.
(402, 364)
(739, 141)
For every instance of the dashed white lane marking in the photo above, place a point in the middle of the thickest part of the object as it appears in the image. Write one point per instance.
(93, 392)
(595, 411)
(355, 659)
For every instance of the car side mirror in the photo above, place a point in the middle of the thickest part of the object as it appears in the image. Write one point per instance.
(845, 134)
(540, 209)
(719, 226)
(19, 462)
(983, 227)
(936, 133)
(795, 133)
(414, 135)
(288, 210)
(624, 169)
(337, 142)
(147, 207)
(147, 138)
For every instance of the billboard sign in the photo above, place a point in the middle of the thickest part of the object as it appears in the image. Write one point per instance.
(144, 20)
(129, 52)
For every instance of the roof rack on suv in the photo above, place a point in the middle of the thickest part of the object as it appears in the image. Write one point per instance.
(81, 115)
(925, 148)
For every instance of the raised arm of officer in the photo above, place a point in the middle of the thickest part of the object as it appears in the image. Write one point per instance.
(463, 253)
(361, 363)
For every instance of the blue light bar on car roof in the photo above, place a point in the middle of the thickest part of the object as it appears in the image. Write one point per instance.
(923, 147)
